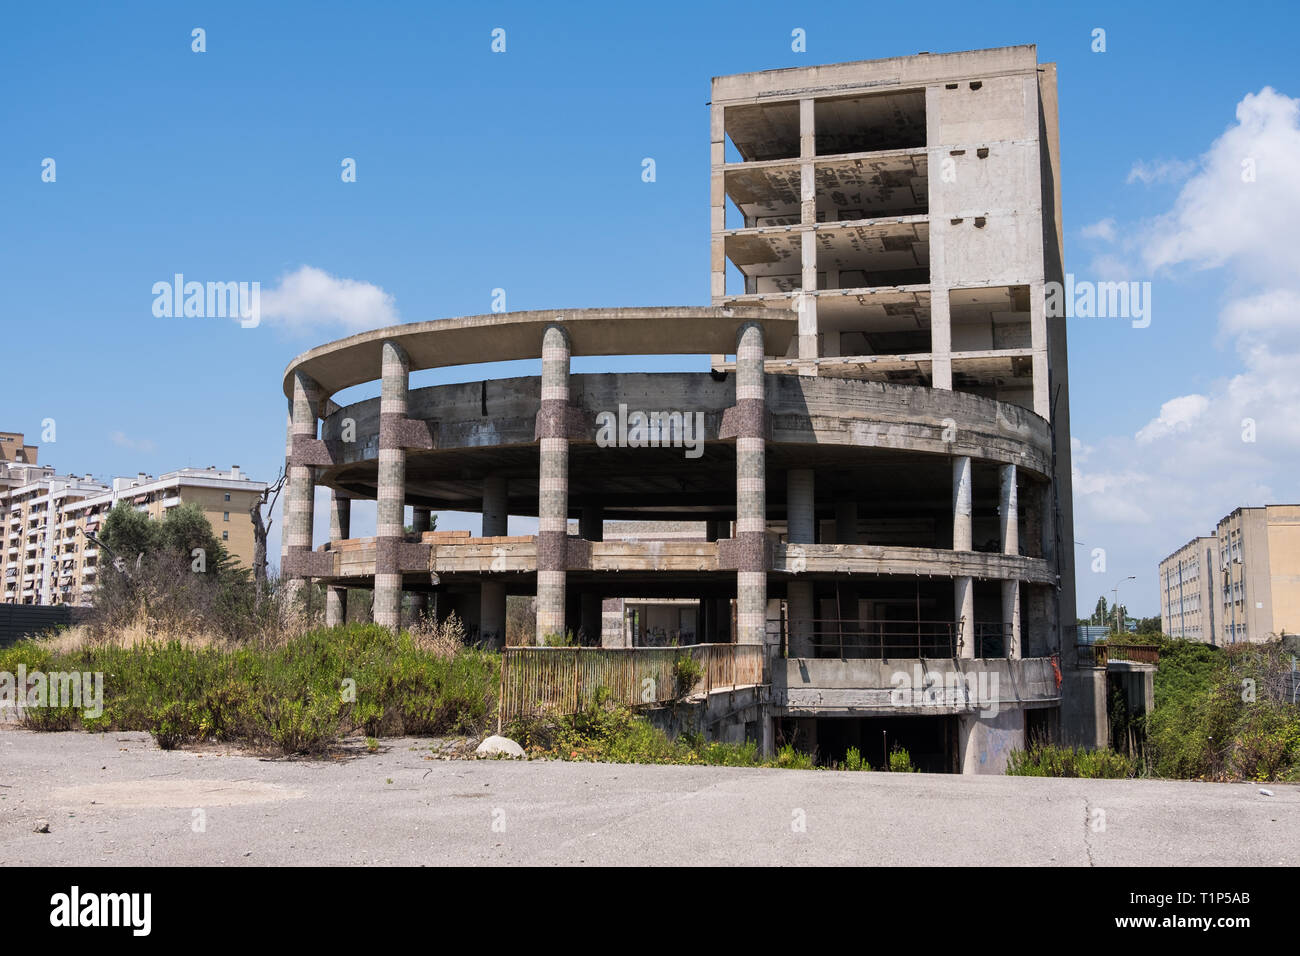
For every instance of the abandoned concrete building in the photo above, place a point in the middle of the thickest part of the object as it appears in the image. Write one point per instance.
(875, 460)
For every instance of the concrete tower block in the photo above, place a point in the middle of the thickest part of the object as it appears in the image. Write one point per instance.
(390, 525)
(751, 487)
(553, 484)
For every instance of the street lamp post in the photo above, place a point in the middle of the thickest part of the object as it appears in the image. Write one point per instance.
(1115, 590)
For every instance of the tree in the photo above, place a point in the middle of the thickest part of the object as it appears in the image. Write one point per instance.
(184, 530)
(127, 534)
(261, 528)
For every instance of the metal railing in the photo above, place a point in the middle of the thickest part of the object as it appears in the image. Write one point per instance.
(1099, 655)
(871, 640)
(565, 680)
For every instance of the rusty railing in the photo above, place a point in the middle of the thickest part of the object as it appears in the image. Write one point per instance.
(1099, 655)
(564, 680)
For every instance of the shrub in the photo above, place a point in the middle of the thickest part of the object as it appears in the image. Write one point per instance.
(900, 761)
(687, 672)
(299, 696)
(1050, 760)
(853, 760)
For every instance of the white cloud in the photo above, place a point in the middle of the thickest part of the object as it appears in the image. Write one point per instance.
(1176, 415)
(311, 298)
(1236, 441)
(1160, 171)
(1103, 229)
(121, 440)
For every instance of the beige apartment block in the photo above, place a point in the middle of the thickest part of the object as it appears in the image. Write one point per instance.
(14, 449)
(47, 557)
(1240, 584)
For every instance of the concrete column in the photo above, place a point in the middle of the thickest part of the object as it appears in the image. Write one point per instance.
(336, 599)
(590, 617)
(940, 226)
(300, 501)
(717, 610)
(591, 527)
(801, 520)
(846, 521)
(390, 524)
(553, 485)
(961, 503)
(492, 613)
(964, 602)
(1009, 511)
(591, 523)
(751, 487)
(1011, 617)
(496, 507)
(1009, 520)
(421, 521)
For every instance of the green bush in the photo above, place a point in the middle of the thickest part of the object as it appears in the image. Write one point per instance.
(900, 761)
(853, 760)
(300, 697)
(687, 672)
(1049, 760)
(607, 732)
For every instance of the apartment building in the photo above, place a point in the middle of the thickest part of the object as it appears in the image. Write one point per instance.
(13, 449)
(48, 558)
(1240, 584)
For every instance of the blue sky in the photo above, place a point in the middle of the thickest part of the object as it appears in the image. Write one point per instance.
(522, 170)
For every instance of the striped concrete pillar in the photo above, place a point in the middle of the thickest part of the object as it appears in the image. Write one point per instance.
(496, 508)
(553, 485)
(299, 502)
(421, 521)
(390, 506)
(751, 487)
(336, 599)
(288, 468)
(800, 519)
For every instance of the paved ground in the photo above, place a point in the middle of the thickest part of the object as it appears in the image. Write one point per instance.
(117, 799)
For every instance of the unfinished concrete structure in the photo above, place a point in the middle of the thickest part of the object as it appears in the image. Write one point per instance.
(884, 474)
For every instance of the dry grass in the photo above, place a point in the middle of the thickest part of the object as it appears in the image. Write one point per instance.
(440, 638)
(137, 634)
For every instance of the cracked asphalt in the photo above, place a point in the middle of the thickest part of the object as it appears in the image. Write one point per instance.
(116, 799)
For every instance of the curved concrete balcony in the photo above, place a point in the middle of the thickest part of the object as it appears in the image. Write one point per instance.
(442, 553)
